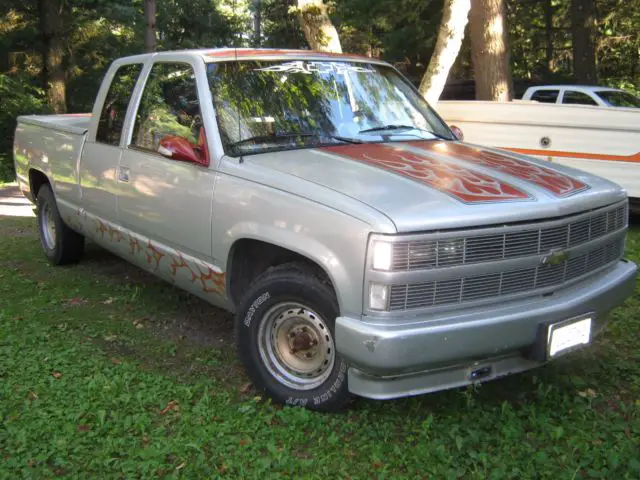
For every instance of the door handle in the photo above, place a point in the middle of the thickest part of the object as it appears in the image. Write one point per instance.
(123, 174)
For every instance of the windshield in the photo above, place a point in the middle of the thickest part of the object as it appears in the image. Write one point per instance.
(279, 105)
(619, 99)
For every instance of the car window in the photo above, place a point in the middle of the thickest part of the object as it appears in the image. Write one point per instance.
(169, 107)
(619, 99)
(572, 97)
(545, 96)
(282, 105)
(116, 102)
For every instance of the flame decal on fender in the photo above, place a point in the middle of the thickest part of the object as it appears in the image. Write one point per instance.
(459, 182)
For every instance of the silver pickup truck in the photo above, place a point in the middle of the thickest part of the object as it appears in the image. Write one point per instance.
(362, 247)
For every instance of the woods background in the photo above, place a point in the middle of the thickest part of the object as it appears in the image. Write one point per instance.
(53, 53)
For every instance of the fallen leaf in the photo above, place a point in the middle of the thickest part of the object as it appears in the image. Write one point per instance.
(589, 392)
(110, 338)
(246, 387)
(83, 428)
(108, 301)
(377, 465)
(56, 374)
(181, 466)
(115, 361)
(32, 395)
(243, 442)
(171, 406)
(76, 301)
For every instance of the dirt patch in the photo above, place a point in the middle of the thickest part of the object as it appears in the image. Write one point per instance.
(199, 323)
(195, 322)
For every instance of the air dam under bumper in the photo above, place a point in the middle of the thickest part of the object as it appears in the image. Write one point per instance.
(399, 356)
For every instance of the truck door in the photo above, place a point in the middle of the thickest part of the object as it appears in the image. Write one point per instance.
(102, 150)
(166, 194)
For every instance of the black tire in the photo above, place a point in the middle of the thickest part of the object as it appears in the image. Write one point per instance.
(279, 288)
(65, 246)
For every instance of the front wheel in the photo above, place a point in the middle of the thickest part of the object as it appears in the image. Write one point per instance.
(286, 339)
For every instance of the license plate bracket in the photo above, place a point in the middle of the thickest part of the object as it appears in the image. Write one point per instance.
(558, 338)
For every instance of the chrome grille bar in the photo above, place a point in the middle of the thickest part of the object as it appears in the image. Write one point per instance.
(431, 253)
(473, 288)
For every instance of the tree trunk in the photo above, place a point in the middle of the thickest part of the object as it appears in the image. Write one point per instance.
(489, 50)
(257, 23)
(150, 42)
(583, 33)
(53, 55)
(317, 27)
(548, 26)
(454, 20)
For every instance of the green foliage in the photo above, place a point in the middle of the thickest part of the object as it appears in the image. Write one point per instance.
(109, 373)
(17, 97)
(401, 31)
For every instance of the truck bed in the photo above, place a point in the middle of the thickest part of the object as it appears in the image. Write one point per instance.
(77, 123)
(51, 144)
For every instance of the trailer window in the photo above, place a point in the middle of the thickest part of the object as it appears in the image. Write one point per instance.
(545, 96)
(571, 97)
(116, 102)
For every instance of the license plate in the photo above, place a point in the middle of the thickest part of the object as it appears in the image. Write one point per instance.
(568, 335)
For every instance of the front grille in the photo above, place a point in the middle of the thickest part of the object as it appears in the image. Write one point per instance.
(472, 288)
(425, 254)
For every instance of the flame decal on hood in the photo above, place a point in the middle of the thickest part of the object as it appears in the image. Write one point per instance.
(553, 182)
(461, 183)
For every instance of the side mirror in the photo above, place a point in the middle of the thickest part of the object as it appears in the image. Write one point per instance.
(181, 149)
(457, 132)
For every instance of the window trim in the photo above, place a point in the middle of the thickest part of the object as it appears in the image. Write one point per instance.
(207, 108)
(102, 97)
(134, 113)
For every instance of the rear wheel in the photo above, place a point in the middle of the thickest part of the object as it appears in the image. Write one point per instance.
(61, 245)
(286, 339)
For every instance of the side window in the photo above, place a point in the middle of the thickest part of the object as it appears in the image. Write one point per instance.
(577, 98)
(116, 102)
(545, 96)
(169, 107)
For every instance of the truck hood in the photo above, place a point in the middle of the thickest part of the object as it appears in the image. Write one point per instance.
(427, 185)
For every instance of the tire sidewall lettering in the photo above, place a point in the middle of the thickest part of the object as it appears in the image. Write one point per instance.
(334, 387)
(254, 306)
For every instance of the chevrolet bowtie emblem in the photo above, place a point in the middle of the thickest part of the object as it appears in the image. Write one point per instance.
(555, 257)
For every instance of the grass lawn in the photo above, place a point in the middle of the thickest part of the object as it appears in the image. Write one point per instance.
(106, 372)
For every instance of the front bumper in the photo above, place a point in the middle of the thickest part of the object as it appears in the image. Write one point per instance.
(391, 358)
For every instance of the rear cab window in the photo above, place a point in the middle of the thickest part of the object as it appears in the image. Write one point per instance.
(545, 96)
(116, 102)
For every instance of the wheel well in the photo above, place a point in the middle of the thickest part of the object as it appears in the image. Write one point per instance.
(249, 258)
(36, 180)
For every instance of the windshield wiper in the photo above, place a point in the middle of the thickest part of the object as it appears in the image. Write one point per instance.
(390, 128)
(279, 136)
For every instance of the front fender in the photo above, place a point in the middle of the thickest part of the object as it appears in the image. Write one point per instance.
(335, 241)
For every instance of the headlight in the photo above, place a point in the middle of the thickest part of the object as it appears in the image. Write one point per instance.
(382, 253)
(378, 296)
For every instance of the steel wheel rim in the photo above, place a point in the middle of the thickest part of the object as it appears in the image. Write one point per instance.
(48, 226)
(296, 346)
